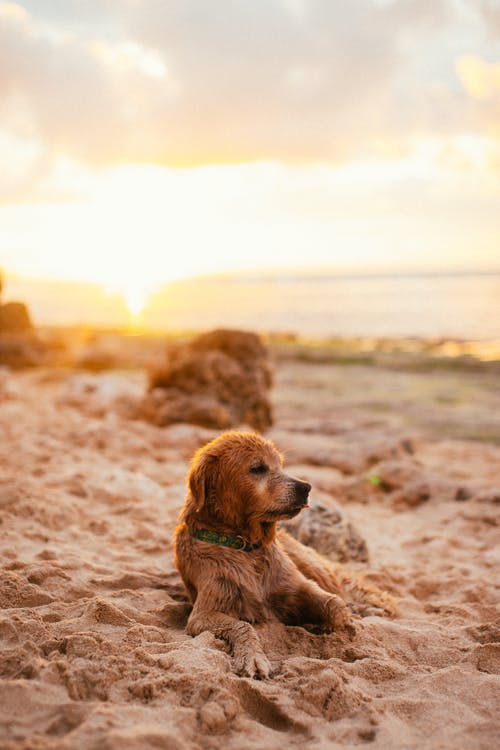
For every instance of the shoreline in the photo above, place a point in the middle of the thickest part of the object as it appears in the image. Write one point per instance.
(411, 353)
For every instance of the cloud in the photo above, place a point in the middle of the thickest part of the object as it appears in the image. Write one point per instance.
(82, 98)
(490, 11)
(129, 56)
(184, 83)
(481, 79)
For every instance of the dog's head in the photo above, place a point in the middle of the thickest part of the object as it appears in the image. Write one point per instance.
(237, 480)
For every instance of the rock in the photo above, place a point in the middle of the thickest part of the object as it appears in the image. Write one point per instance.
(409, 483)
(325, 528)
(173, 406)
(413, 494)
(19, 346)
(15, 318)
(393, 475)
(220, 380)
(246, 347)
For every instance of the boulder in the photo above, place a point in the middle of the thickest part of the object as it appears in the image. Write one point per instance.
(15, 318)
(325, 527)
(219, 380)
(19, 346)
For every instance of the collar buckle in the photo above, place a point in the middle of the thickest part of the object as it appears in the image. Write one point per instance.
(243, 543)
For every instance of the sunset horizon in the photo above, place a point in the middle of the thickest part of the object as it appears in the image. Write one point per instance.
(265, 299)
(143, 143)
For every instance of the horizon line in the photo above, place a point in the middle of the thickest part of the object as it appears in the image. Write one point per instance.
(284, 273)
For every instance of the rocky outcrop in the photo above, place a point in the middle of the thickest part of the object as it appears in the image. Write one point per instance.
(325, 527)
(19, 345)
(15, 318)
(219, 380)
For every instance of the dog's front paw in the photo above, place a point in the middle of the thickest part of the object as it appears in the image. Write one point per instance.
(338, 616)
(250, 663)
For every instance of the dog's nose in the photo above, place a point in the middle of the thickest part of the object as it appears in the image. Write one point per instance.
(302, 489)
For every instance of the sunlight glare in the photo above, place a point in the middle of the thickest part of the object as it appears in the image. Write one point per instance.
(135, 228)
(135, 295)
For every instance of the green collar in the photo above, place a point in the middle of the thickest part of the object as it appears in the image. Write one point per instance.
(235, 542)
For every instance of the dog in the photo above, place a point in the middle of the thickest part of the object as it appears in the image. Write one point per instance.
(239, 569)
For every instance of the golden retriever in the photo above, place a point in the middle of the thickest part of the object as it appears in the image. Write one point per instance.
(239, 569)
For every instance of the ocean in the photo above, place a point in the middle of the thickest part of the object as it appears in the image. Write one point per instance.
(423, 305)
(464, 306)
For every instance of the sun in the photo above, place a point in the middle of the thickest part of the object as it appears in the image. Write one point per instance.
(132, 233)
(136, 295)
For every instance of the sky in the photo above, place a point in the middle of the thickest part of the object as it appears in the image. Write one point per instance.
(143, 141)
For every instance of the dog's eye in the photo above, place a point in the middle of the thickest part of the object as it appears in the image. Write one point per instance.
(259, 469)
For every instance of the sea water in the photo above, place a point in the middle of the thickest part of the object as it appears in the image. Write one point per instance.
(424, 305)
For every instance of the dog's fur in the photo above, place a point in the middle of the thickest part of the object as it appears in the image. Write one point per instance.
(237, 486)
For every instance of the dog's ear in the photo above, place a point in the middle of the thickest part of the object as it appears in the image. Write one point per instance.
(202, 479)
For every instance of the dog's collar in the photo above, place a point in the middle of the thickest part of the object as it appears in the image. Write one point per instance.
(225, 540)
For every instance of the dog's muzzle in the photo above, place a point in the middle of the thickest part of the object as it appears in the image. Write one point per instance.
(301, 492)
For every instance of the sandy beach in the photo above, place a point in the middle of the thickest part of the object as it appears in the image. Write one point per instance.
(93, 648)
(277, 216)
